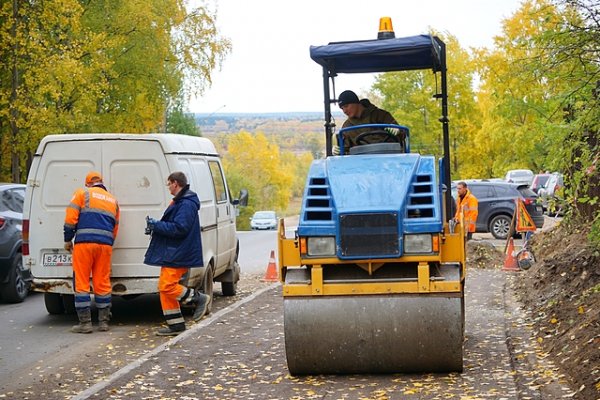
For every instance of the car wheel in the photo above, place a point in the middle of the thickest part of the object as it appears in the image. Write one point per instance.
(54, 303)
(499, 226)
(16, 289)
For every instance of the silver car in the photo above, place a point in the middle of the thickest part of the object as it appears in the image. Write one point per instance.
(263, 220)
(519, 176)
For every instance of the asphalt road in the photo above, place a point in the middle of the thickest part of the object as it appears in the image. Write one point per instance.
(39, 358)
(33, 342)
(240, 354)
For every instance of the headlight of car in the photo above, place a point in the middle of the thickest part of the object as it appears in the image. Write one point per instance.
(418, 243)
(321, 246)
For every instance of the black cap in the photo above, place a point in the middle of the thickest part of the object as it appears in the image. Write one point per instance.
(347, 97)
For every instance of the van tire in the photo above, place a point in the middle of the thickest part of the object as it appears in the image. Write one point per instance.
(208, 286)
(229, 288)
(54, 303)
(69, 303)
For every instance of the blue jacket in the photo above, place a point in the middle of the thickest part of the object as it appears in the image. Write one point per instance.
(176, 240)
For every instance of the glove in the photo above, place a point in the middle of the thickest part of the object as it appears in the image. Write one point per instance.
(392, 131)
(150, 223)
(335, 150)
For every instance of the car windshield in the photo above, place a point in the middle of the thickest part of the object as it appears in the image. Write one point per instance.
(264, 215)
(520, 174)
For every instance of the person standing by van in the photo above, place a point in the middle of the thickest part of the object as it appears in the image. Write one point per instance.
(176, 246)
(92, 219)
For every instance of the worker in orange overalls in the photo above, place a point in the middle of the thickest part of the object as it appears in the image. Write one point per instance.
(467, 208)
(92, 219)
(176, 246)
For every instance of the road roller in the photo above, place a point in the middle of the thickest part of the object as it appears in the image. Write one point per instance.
(373, 276)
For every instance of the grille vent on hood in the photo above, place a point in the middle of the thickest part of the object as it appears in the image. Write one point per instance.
(421, 197)
(317, 205)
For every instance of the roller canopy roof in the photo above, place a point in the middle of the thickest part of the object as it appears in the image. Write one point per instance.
(399, 54)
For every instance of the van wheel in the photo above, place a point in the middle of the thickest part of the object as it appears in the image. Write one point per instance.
(208, 287)
(54, 303)
(68, 301)
(229, 288)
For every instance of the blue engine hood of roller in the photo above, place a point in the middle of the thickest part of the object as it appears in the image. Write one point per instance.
(403, 184)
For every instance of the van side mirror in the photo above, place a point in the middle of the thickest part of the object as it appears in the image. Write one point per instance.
(243, 199)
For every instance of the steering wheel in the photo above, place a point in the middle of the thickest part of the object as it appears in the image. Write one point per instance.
(361, 139)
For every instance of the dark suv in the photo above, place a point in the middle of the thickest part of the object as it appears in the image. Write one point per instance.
(14, 279)
(497, 205)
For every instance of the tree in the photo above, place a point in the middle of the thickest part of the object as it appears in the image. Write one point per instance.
(71, 66)
(253, 163)
(409, 97)
(180, 122)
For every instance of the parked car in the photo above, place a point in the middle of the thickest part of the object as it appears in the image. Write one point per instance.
(14, 279)
(538, 182)
(521, 176)
(497, 205)
(550, 193)
(263, 220)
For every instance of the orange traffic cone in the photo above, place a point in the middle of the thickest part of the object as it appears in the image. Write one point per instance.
(271, 274)
(510, 261)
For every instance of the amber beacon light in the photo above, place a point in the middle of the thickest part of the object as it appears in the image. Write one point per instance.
(386, 30)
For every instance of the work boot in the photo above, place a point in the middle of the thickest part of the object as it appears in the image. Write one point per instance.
(201, 301)
(103, 318)
(171, 330)
(85, 321)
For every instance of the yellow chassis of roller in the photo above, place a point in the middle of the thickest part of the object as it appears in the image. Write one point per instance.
(451, 251)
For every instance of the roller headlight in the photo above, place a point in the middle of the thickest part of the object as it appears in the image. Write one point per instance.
(418, 243)
(321, 246)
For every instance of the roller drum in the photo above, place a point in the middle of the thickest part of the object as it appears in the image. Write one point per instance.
(373, 334)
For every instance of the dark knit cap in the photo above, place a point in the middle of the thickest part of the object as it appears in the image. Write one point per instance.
(347, 97)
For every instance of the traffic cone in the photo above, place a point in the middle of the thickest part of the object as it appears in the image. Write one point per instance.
(510, 261)
(271, 274)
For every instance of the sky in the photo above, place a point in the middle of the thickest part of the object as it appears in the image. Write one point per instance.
(270, 70)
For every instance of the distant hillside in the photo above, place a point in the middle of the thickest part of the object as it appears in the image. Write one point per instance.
(267, 123)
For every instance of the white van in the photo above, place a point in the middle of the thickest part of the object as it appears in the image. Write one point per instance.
(134, 168)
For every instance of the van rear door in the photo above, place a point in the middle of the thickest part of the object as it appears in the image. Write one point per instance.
(134, 171)
(57, 173)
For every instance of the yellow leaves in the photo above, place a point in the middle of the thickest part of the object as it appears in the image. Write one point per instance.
(580, 310)
(553, 321)
(254, 162)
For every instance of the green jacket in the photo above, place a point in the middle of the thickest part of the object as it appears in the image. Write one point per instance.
(370, 115)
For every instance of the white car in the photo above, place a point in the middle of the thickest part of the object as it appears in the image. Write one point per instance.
(519, 176)
(263, 220)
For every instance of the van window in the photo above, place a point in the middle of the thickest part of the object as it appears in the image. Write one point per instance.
(217, 175)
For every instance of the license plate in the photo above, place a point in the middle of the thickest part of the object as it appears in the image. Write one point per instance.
(57, 259)
(539, 208)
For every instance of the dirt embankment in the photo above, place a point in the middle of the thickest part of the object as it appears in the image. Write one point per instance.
(561, 293)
